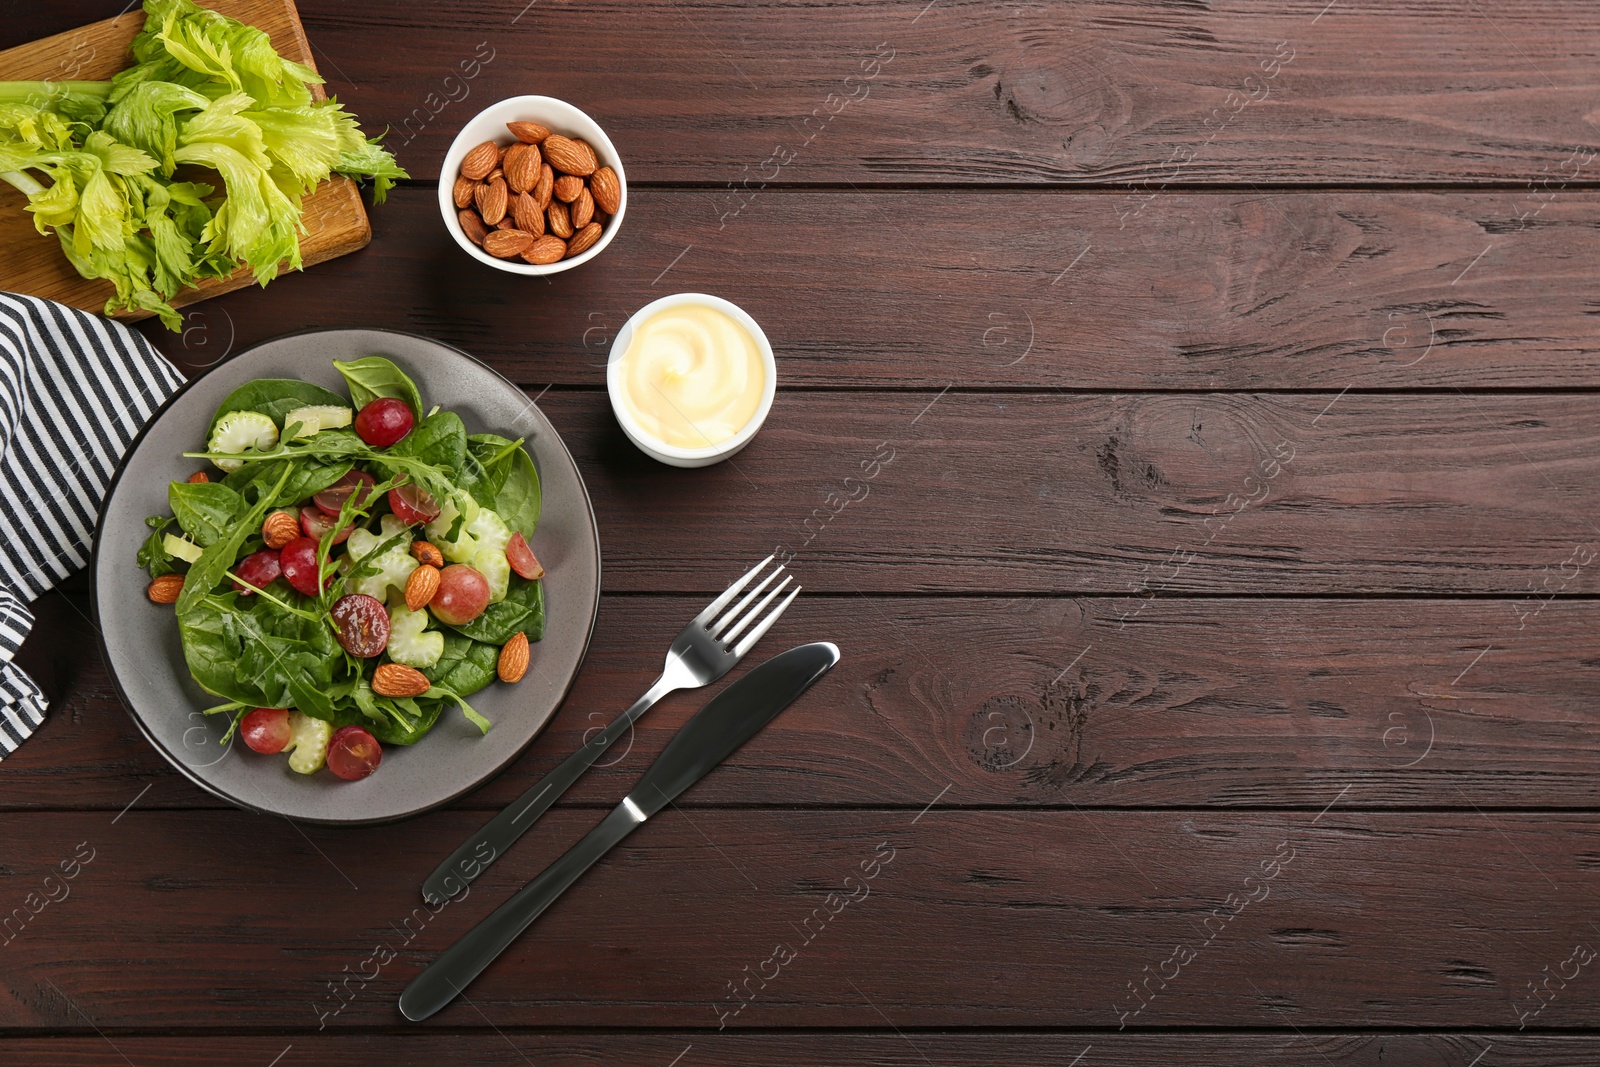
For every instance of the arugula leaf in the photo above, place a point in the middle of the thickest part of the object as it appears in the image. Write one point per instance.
(153, 555)
(307, 477)
(204, 510)
(218, 557)
(522, 611)
(274, 398)
(375, 377)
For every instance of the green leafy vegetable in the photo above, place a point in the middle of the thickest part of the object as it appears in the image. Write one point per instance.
(97, 159)
(522, 611)
(274, 398)
(153, 555)
(204, 510)
(375, 377)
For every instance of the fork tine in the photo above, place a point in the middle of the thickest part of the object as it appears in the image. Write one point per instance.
(765, 624)
(729, 593)
(738, 609)
(755, 612)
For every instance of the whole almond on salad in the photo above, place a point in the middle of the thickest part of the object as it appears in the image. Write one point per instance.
(513, 662)
(504, 244)
(567, 188)
(280, 528)
(427, 554)
(461, 195)
(525, 210)
(607, 190)
(472, 226)
(547, 249)
(395, 680)
(477, 163)
(546, 183)
(165, 589)
(560, 220)
(583, 239)
(420, 587)
(570, 156)
(528, 132)
(491, 198)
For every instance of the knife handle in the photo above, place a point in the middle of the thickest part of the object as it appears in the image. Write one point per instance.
(501, 832)
(458, 965)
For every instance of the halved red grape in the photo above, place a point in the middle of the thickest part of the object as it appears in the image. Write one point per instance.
(315, 522)
(412, 504)
(361, 624)
(463, 595)
(353, 753)
(522, 559)
(299, 562)
(260, 569)
(265, 730)
(331, 499)
(384, 421)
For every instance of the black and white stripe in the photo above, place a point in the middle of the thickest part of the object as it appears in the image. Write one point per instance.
(75, 389)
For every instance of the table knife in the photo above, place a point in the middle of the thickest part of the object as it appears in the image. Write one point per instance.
(730, 719)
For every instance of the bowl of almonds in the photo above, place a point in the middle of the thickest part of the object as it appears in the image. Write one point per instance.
(532, 185)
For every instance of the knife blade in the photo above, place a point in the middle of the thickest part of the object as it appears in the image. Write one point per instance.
(730, 719)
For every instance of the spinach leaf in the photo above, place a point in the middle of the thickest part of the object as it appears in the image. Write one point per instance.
(153, 555)
(218, 557)
(274, 398)
(493, 452)
(374, 377)
(521, 611)
(204, 510)
(465, 666)
(439, 439)
(518, 500)
(211, 649)
(307, 476)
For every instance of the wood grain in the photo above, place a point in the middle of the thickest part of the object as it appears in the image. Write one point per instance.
(1011, 290)
(225, 920)
(1237, 703)
(334, 219)
(852, 1048)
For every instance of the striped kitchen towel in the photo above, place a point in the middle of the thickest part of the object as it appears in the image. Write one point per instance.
(75, 389)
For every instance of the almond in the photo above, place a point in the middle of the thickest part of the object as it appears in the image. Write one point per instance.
(514, 658)
(198, 478)
(560, 220)
(472, 226)
(507, 223)
(547, 181)
(280, 528)
(477, 163)
(582, 209)
(395, 680)
(427, 554)
(570, 156)
(491, 198)
(495, 175)
(547, 249)
(567, 188)
(505, 244)
(528, 132)
(525, 209)
(607, 190)
(583, 239)
(165, 589)
(522, 167)
(461, 195)
(420, 587)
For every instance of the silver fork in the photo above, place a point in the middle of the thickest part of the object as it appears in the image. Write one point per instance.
(701, 654)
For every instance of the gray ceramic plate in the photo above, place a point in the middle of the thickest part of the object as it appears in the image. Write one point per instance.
(140, 639)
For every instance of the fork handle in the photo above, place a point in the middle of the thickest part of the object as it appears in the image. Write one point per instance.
(501, 832)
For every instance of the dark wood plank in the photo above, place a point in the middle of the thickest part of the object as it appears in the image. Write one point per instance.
(995, 919)
(846, 1049)
(1032, 703)
(1111, 91)
(1008, 290)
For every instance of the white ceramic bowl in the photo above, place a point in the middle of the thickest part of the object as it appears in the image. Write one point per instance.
(490, 125)
(672, 454)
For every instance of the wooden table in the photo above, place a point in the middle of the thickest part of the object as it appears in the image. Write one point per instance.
(1189, 431)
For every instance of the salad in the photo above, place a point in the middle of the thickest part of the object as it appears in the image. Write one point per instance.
(350, 568)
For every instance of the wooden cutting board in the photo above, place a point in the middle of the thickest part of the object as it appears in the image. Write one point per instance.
(30, 262)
